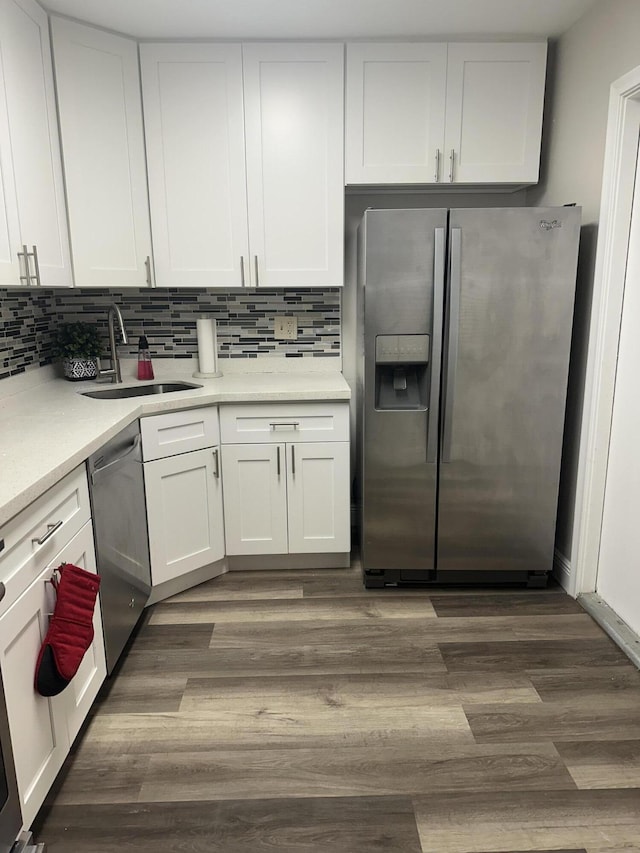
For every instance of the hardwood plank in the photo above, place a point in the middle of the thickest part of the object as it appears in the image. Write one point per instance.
(527, 820)
(339, 825)
(552, 721)
(404, 656)
(86, 781)
(356, 690)
(521, 603)
(231, 588)
(141, 694)
(591, 686)
(263, 726)
(406, 607)
(378, 632)
(532, 655)
(608, 764)
(187, 636)
(352, 771)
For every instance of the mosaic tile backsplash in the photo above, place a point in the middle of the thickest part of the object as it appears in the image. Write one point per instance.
(25, 329)
(168, 318)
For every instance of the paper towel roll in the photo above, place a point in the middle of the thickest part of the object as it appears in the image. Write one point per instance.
(207, 348)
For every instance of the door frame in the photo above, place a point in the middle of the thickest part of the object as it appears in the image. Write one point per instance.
(620, 162)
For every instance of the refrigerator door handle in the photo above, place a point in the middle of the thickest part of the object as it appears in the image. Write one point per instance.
(452, 341)
(436, 344)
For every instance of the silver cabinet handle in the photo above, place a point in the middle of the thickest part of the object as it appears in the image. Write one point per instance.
(216, 456)
(278, 460)
(255, 262)
(23, 260)
(436, 338)
(51, 529)
(242, 281)
(36, 266)
(436, 176)
(147, 268)
(452, 346)
(452, 158)
(293, 459)
(294, 424)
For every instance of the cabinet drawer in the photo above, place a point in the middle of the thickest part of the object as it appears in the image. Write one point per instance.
(179, 432)
(276, 422)
(34, 536)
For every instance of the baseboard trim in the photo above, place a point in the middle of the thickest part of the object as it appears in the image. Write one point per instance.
(271, 562)
(621, 634)
(562, 570)
(184, 582)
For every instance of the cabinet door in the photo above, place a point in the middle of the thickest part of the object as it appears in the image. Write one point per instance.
(10, 267)
(295, 186)
(86, 683)
(194, 130)
(318, 497)
(32, 150)
(38, 727)
(98, 85)
(255, 498)
(395, 113)
(495, 96)
(184, 513)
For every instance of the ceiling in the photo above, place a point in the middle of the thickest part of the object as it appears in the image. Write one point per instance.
(265, 19)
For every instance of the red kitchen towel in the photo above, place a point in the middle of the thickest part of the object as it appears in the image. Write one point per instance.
(70, 630)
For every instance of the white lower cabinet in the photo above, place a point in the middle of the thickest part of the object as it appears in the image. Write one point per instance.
(184, 513)
(42, 728)
(318, 497)
(255, 504)
(286, 498)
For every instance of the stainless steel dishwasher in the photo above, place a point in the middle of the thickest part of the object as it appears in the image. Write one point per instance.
(122, 542)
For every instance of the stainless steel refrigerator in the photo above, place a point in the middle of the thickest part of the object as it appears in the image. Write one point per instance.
(465, 323)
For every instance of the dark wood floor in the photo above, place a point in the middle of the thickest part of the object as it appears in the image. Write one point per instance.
(297, 712)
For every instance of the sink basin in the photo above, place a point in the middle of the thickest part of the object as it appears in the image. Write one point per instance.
(117, 393)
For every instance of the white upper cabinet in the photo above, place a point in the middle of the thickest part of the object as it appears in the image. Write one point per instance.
(209, 110)
(98, 86)
(295, 142)
(395, 112)
(34, 213)
(495, 97)
(434, 113)
(195, 153)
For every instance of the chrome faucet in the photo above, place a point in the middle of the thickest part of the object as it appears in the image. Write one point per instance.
(113, 373)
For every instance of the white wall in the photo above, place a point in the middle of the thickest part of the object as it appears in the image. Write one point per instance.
(602, 46)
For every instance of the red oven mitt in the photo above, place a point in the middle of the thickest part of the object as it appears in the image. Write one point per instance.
(70, 630)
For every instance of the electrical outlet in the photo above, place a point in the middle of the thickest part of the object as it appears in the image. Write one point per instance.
(285, 328)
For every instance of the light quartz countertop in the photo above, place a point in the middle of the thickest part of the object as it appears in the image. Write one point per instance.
(47, 427)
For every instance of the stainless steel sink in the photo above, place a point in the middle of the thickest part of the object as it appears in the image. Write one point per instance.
(139, 390)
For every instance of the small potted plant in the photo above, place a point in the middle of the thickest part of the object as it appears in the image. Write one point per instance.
(78, 345)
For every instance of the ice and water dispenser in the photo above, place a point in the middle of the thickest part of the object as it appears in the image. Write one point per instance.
(402, 372)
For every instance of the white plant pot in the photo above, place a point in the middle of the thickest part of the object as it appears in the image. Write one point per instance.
(79, 368)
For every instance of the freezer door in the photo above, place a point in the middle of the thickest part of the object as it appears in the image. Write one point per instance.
(402, 253)
(506, 354)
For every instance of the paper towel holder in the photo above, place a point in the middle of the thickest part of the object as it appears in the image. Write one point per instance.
(207, 348)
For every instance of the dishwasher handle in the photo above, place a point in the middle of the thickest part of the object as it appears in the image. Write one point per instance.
(131, 449)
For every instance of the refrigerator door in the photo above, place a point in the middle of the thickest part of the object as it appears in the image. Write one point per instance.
(506, 352)
(402, 255)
